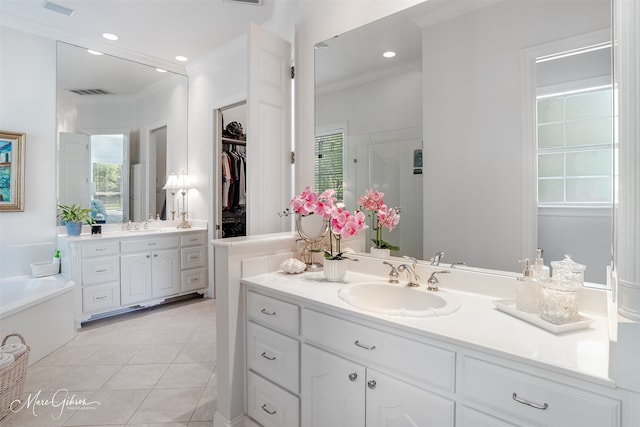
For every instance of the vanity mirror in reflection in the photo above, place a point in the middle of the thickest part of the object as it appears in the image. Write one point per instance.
(122, 128)
(509, 101)
(313, 229)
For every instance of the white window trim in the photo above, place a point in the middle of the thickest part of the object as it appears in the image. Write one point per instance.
(528, 89)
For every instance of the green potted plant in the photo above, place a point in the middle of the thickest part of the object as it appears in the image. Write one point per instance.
(73, 216)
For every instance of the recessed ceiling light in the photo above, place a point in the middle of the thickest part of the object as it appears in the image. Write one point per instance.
(389, 54)
(110, 36)
(182, 58)
(160, 70)
(94, 52)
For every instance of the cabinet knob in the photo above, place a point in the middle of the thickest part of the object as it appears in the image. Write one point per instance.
(155, 255)
(371, 384)
(353, 376)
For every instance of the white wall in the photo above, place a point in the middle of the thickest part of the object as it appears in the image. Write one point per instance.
(472, 153)
(28, 104)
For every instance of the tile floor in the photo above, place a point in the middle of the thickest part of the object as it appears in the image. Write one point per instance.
(154, 367)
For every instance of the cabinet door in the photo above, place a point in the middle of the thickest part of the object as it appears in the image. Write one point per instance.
(165, 273)
(135, 278)
(393, 403)
(333, 390)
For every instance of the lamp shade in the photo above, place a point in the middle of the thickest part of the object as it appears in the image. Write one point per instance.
(184, 182)
(172, 183)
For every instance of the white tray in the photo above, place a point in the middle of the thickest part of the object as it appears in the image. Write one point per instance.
(509, 306)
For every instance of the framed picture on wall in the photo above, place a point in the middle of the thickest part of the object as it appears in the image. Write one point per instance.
(12, 152)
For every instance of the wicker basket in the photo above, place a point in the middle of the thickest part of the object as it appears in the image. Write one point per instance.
(12, 378)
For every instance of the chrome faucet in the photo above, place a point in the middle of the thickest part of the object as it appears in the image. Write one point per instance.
(411, 272)
(432, 283)
(436, 258)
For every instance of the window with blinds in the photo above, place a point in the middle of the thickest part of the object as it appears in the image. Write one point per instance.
(328, 162)
(575, 148)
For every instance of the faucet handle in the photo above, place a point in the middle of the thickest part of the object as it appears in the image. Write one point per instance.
(393, 274)
(432, 283)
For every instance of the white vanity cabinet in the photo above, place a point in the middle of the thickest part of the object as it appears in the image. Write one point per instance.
(100, 266)
(125, 269)
(339, 392)
(532, 400)
(273, 360)
(193, 257)
(150, 269)
(313, 363)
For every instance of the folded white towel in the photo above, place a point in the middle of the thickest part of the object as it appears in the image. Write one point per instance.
(6, 360)
(16, 349)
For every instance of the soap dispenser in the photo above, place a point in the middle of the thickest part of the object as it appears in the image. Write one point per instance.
(540, 271)
(528, 290)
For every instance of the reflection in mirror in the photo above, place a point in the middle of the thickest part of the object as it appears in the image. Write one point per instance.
(460, 89)
(122, 128)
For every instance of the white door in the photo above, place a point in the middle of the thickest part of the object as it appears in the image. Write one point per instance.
(333, 390)
(135, 278)
(268, 132)
(74, 163)
(393, 403)
(165, 273)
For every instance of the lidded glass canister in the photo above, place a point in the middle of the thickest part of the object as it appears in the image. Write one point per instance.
(568, 270)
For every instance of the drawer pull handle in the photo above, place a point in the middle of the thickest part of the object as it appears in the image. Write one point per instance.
(152, 244)
(100, 298)
(194, 279)
(148, 256)
(100, 249)
(371, 384)
(266, 356)
(155, 255)
(366, 347)
(528, 403)
(102, 270)
(265, 409)
(353, 376)
(194, 257)
(268, 313)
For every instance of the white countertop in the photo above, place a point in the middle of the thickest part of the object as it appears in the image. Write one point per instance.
(477, 325)
(119, 234)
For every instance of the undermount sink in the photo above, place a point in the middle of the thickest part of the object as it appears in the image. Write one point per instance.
(398, 300)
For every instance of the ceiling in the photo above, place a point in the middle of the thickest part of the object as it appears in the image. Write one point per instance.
(154, 31)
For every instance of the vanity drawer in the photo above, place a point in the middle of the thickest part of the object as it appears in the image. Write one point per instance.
(273, 355)
(152, 244)
(270, 405)
(419, 362)
(100, 248)
(192, 239)
(100, 270)
(100, 298)
(192, 257)
(193, 279)
(274, 312)
(534, 399)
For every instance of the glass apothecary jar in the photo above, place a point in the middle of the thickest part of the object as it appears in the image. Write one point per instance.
(559, 301)
(569, 270)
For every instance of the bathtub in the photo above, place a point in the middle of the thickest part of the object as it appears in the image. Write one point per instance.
(40, 309)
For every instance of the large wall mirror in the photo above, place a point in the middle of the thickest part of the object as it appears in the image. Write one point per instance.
(122, 129)
(491, 128)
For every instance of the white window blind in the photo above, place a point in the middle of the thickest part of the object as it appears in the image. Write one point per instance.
(328, 162)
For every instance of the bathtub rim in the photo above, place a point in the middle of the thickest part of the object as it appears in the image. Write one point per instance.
(26, 303)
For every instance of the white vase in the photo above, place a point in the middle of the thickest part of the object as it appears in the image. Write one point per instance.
(380, 253)
(335, 269)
